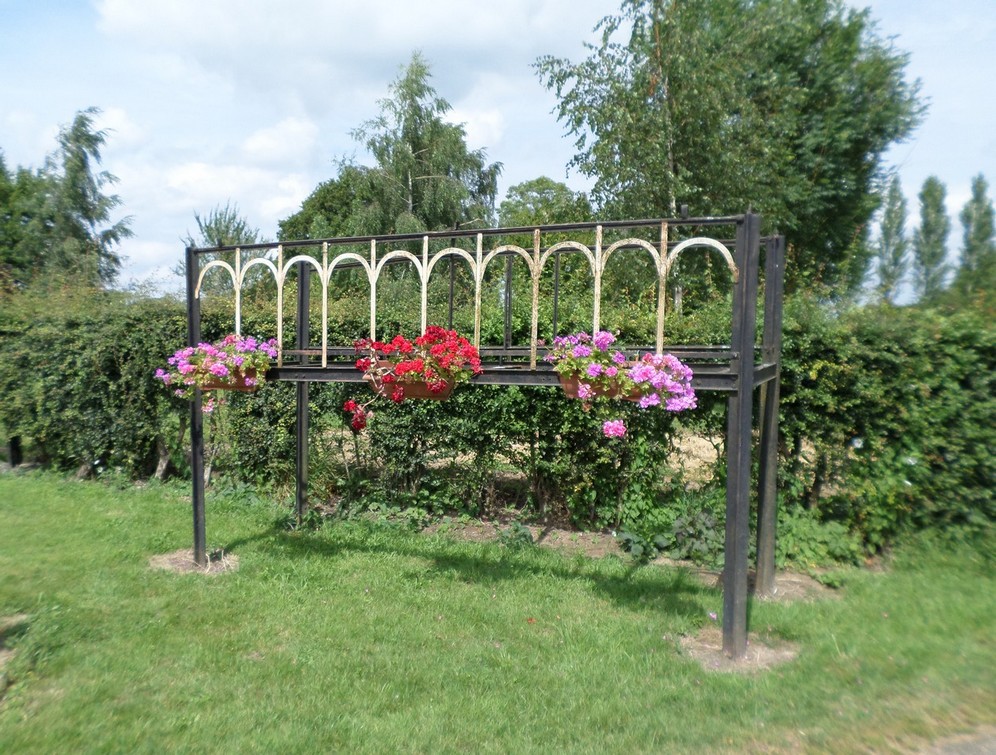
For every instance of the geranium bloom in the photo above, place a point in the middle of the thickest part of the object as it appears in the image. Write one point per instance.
(614, 428)
(233, 362)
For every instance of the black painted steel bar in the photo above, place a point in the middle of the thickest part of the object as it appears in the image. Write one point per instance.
(771, 343)
(196, 415)
(738, 442)
(727, 220)
(301, 425)
(15, 456)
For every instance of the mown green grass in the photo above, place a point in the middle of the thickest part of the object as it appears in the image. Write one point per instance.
(368, 638)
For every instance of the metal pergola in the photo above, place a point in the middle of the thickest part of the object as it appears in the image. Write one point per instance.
(736, 368)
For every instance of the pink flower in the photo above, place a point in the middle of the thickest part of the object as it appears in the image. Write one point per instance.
(603, 339)
(585, 390)
(614, 428)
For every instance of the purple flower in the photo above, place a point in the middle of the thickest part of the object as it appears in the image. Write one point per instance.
(650, 399)
(581, 351)
(585, 391)
(594, 369)
(603, 339)
(614, 428)
(219, 369)
(619, 358)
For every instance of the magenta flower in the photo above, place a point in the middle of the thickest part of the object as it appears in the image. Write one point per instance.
(581, 351)
(594, 369)
(585, 390)
(603, 339)
(614, 428)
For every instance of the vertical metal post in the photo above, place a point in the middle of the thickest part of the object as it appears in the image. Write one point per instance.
(771, 345)
(14, 454)
(738, 440)
(303, 338)
(196, 416)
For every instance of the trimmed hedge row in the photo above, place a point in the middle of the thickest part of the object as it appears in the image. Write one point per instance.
(886, 425)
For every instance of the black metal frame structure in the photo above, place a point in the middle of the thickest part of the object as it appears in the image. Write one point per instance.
(737, 368)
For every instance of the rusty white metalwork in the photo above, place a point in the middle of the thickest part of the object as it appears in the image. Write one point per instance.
(426, 263)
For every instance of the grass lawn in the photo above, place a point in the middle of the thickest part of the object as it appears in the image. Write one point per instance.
(363, 637)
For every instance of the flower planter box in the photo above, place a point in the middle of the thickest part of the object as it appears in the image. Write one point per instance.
(236, 381)
(570, 384)
(414, 390)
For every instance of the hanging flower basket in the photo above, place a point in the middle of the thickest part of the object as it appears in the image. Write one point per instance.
(237, 380)
(381, 383)
(589, 368)
(572, 387)
(427, 368)
(234, 363)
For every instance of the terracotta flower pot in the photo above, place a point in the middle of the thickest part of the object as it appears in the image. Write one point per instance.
(570, 384)
(415, 390)
(236, 381)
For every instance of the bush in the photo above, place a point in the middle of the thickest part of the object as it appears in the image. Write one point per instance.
(886, 426)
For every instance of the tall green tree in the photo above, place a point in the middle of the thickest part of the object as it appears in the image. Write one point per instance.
(222, 226)
(786, 106)
(977, 267)
(893, 245)
(424, 175)
(85, 238)
(930, 241)
(57, 220)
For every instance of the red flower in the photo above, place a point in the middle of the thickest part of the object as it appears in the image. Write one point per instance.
(398, 394)
(359, 420)
(349, 406)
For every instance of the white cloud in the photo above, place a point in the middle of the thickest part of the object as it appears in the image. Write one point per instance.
(484, 127)
(122, 131)
(291, 141)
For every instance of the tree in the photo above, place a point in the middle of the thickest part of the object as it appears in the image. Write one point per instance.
(81, 244)
(542, 201)
(977, 268)
(223, 226)
(930, 240)
(786, 107)
(893, 246)
(424, 179)
(58, 219)
(335, 208)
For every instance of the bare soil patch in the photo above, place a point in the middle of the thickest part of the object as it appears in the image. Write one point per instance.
(182, 562)
(763, 653)
(9, 625)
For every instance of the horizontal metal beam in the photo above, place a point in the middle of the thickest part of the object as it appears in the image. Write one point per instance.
(706, 376)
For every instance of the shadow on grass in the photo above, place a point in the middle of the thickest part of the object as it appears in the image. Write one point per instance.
(630, 586)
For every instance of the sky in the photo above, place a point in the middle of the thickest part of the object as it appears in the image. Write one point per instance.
(252, 102)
